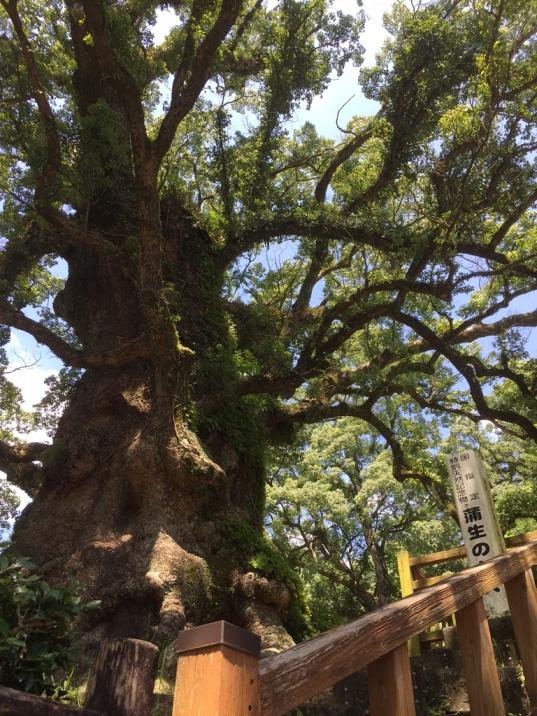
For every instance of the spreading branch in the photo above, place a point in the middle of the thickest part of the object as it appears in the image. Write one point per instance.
(306, 412)
(19, 463)
(319, 256)
(464, 366)
(340, 158)
(285, 227)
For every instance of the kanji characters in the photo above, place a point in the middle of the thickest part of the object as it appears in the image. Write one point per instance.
(472, 514)
(476, 531)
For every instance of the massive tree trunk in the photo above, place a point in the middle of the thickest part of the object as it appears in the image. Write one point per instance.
(155, 507)
(154, 510)
(145, 520)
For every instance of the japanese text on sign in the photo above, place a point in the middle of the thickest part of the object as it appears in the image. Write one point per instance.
(479, 525)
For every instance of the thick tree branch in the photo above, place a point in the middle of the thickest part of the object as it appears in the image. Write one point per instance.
(68, 236)
(344, 153)
(467, 370)
(125, 85)
(317, 348)
(432, 403)
(511, 220)
(289, 226)
(76, 236)
(496, 328)
(339, 310)
(17, 461)
(17, 454)
(312, 411)
(243, 26)
(19, 256)
(517, 268)
(320, 254)
(435, 404)
(314, 362)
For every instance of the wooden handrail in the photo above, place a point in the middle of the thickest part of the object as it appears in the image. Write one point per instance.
(412, 578)
(296, 675)
(524, 538)
(221, 675)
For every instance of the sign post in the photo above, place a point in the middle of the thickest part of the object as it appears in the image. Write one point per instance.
(479, 524)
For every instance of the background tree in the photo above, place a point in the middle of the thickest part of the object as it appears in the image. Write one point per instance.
(339, 515)
(405, 243)
(8, 506)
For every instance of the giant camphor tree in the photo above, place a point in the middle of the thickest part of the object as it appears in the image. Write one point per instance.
(230, 279)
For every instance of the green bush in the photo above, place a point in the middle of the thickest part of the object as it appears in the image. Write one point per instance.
(35, 628)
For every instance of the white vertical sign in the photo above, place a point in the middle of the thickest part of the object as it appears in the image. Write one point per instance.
(479, 524)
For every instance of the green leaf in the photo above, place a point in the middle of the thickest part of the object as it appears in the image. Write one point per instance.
(5, 629)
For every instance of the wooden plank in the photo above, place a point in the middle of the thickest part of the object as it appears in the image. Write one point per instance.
(522, 598)
(390, 684)
(429, 581)
(123, 679)
(524, 538)
(405, 575)
(216, 681)
(16, 703)
(294, 676)
(438, 557)
(481, 673)
(407, 588)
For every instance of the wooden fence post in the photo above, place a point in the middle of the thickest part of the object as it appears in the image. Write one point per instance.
(407, 588)
(217, 672)
(390, 684)
(482, 681)
(123, 679)
(522, 598)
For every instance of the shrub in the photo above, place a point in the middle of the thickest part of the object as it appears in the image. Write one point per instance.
(35, 628)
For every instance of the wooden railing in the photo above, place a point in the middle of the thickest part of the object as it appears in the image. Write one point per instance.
(412, 579)
(219, 673)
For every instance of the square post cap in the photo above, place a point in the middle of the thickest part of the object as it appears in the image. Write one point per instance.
(216, 633)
